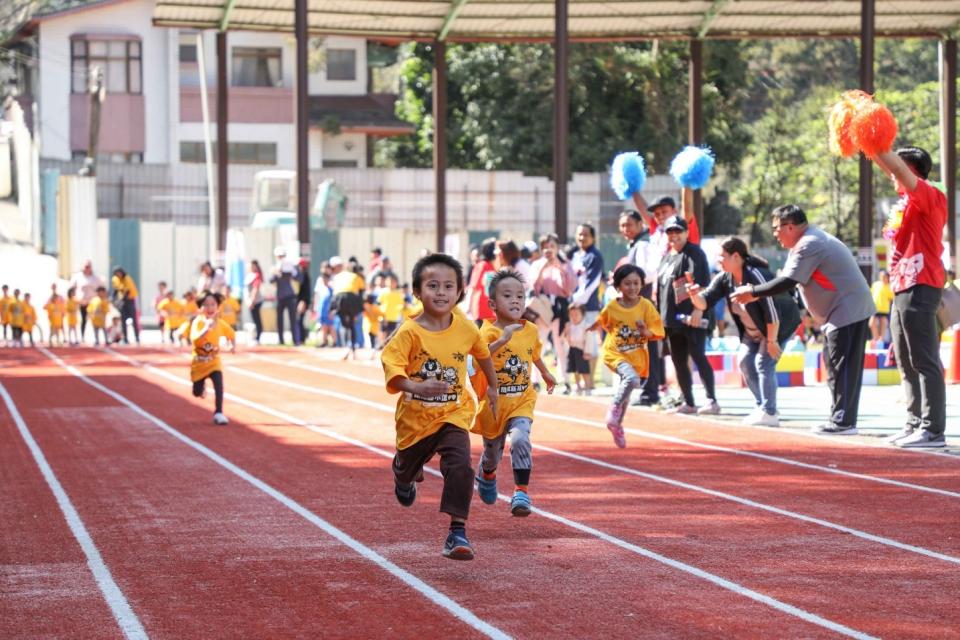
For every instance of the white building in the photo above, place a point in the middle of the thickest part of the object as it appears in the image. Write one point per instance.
(152, 110)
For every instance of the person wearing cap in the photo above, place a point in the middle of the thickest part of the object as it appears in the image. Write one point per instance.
(837, 296)
(686, 327)
(86, 282)
(125, 298)
(284, 275)
(665, 207)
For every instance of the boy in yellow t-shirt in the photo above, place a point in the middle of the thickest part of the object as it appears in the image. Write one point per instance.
(426, 363)
(5, 301)
(515, 347)
(372, 316)
(230, 309)
(29, 318)
(170, 311)
(97, 312)
(206, 330)
(631, 321)
(72, 313)
(189, 311)
(392, 304)
(56, 308)
(15, 311)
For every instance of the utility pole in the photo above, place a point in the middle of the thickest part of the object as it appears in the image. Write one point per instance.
(97, 95)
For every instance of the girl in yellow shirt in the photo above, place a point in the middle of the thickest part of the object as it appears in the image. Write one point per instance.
(630, 321)
(426, 363)
(97, 312)
(515, 348)
(206, 330)
(72, 311)
(15, 311)
(29, 318)
(55, 308)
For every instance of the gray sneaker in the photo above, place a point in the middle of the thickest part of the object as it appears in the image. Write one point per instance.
(712, 408)
(923, 440)
(906, 432)
(830, 429)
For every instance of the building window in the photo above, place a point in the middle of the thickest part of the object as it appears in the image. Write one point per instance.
(238, 152)
(118, 60)
(339, 164)
(135, 157)
(256, 67)
(341, 64)
(189, 72)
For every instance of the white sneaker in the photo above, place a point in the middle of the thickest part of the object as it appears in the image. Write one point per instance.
(712, 408)
(906, 432)
(922, 439)
(219, 418)
(753, 415)
(684, 409)
(763, 419)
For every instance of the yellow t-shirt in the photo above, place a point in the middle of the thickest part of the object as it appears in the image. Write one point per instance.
(97, 312)
(623, 342)
(190, 308)
(391, 304)
(125, 286)
(516, 396)
(15, 311)
(229, 310)
(373, 316)
(72, 312)
(29, 317)
(55, 310)
(882, 296)
(414, 309)
(206, 346)
(418, 354)
(5, 303)
(347, 281)
(173, 316)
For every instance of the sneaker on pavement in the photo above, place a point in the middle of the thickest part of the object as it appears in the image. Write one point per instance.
(923, 440)
(763, 419)
(487, 489)
(219, 418)
(457, 547)
(830, 429)
(753, 415)
(684, 409)
(906, 432)
(405, 496)
(712, 408)
(520, 504)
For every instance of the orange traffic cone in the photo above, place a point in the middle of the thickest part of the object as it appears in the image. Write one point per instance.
(953, 377)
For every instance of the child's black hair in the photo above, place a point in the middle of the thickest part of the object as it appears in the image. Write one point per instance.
(206, 294)
(437, 258)
(625, 270)
(371, 298)
(918, 159)
(500, 276)
(99, 289)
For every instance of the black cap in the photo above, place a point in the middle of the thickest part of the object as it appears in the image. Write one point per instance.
(661, 201)
(675, 223)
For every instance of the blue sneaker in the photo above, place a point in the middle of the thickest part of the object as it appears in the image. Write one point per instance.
(487, 488)
(520, 504)
(457, 547)
(405, 496)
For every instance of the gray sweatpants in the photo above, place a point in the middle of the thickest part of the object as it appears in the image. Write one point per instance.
(629, 380)
(521, 453)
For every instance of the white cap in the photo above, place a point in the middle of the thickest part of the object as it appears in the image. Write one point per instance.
(279, 252)
(531, 246)
(335, 261)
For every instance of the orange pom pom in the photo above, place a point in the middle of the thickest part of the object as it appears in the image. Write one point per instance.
(874, 129)
(842, 142)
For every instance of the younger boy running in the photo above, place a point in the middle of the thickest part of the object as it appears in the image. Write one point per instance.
(426, 362)
(514, 346)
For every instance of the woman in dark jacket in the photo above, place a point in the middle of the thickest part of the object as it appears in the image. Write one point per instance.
(686, 328)
(765, 325)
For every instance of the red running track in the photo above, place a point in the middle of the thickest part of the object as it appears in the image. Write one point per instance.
(199, 551)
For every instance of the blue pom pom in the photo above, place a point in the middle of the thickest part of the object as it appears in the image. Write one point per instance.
(627, 174)
(692, 167)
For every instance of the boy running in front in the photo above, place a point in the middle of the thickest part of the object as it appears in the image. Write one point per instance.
(426, 362)
(514, 346)
(630, 322)
(205, 333)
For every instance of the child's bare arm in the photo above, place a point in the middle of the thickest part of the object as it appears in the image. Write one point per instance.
(486, 365)
(502, 341)
(545, 373)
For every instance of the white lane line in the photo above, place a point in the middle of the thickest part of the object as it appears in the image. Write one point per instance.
(623, 544)
(666, 438)
(890, 542)
(127, 620)
(458, 611)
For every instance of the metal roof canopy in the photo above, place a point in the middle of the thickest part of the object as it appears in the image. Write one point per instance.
(563, 21)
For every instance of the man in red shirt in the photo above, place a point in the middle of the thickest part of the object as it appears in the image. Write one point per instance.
(917, 276)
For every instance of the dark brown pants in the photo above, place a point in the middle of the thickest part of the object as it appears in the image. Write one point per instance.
(453, 445)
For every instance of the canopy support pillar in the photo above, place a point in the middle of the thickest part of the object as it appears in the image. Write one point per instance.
(561, 119)
(440, 140)
(865, 233)
(695, 114)
(948, 134)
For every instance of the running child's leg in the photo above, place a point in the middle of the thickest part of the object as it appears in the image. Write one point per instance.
(521, 456)
(629, 380)
(453, 445)
(217, 378)
(487, 469)
(198, 386)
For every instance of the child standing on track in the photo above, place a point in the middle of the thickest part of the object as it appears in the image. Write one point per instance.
(97, 313)
(15, 309)
(578, 364)
(55, 309)
(72, 310)
(630, 322)
(514, 346)
(426, 362)
(205, 333)
(5, 300)
(29, 318)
